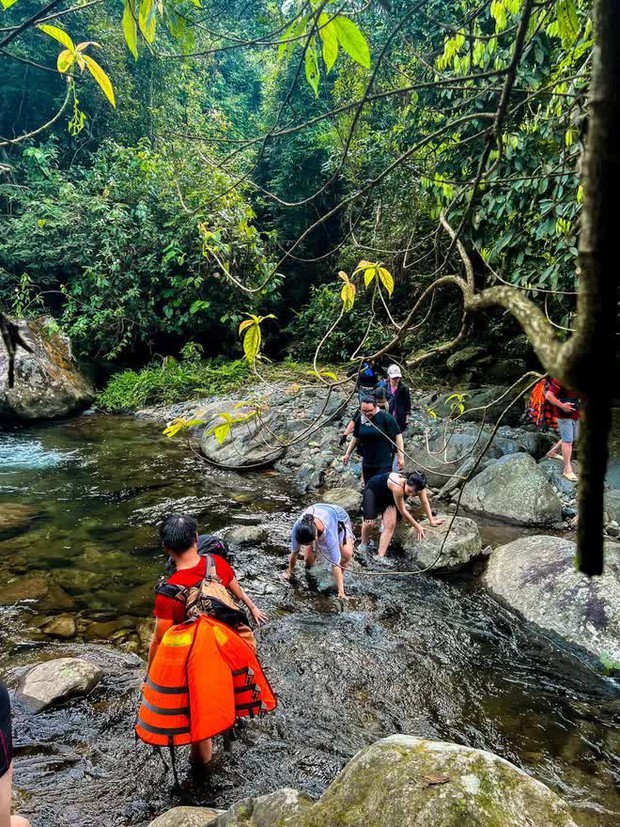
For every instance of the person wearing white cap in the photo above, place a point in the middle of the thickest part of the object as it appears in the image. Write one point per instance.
(400, 398)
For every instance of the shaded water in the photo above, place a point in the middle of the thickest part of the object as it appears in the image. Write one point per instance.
(424, 656)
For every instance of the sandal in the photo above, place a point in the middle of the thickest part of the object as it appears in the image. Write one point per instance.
(572, 477)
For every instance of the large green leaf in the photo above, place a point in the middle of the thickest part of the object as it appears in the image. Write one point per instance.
(352, 40)
(7, 3)
(387, 279)
(312, 67)
(130, 27)
(568, 22)
(327, 31)
(251, 342)
(147, 20)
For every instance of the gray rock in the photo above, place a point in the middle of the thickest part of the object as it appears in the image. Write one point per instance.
(537, 576)
(253, 443)
(461, 543)
(481, 405)
(552, 469)
(247, 535)
(513, 489)
(48, 383)
(348, 498)
(447, 450)
(402, 781)
(506, 371)
(186, 817)
(278, 809)
(15, 518)
(56, 680)
(463, 357)
(612, 504)
(63, 626)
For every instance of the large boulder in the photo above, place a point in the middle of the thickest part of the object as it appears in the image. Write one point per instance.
(446, 450)
(402, 781)
(256, 442)
(277, 809)
(186, 817)
(485, 405)
(513, 489)
(48, 383)
(348, 498)
(56, 680)
(537, 576)
(447, 547)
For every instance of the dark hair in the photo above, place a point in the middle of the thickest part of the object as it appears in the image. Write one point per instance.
(368, 400)
(417, 480)
(178, 532)
(305, 532)
(381, 394)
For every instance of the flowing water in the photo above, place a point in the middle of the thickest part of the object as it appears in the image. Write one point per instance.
(425, 656)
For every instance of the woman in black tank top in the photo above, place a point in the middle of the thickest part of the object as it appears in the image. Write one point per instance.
(385, 495)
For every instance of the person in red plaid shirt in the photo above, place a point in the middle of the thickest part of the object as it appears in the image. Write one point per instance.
(566, 407)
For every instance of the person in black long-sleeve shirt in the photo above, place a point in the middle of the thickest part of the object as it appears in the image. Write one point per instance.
(400, 398)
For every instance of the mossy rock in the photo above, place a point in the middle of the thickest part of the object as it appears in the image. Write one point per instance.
(403, 781)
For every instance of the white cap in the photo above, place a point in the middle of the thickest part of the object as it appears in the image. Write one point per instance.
(394, 372)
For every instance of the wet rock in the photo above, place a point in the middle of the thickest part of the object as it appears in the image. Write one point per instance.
(63, 626)
(513, 489)
(48, 383)
(15, 518)
(612, 504)
(460, 539)
(56, 680)
(537, 576)
(447, 450)
(33, 587)
(348, 498)
(282, 807)
(457, 360)
(107, 630)
(402, 781)
(553, 471)
(186, 817)
(249, 444)
(247, 535)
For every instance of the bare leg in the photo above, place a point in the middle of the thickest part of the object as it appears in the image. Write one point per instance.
(553, 452)
(567, 452)
(346, 552)
(367, 527)
(202, 751)
(389, 524)
(7, 820)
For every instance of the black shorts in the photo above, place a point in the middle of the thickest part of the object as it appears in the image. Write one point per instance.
(6, 740)
(373, 505)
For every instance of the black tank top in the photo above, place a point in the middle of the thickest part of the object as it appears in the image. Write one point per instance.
(379, 485)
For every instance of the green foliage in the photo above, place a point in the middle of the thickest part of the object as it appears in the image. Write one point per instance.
(171, 381)
(122, 240)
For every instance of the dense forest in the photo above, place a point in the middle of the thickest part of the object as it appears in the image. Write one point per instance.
(359, 178)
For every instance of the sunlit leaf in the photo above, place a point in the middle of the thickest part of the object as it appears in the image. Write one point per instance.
(221, 431)
(245, 324)
(130, 28)
(363, 265)
(328, 374)
(58, 34)
(147, 20)
(102, 79)
(369, 275)
(387, 279)
(347, 294)
(568, 22)
(175, 426)
(291, 36)
(328, 36)
(65, 60)
(352, 40)
(7, 3)
(252, 341)
(312, 67)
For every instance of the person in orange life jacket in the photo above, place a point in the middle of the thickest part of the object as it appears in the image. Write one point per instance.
(566, 404)
(378, 436)
(179, 536)
(6, 764)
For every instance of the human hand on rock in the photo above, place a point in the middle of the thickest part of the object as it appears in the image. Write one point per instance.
(258, 615)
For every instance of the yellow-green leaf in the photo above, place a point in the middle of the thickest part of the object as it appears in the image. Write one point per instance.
(352, 40)
(329, 375)
(363, 265)
(347, 294)
(65, 61)
(147, 20)
(251, 342)
(330, 41)
(369, 275)
(245, 324)
(291, 36)
(58, 34)
(175, 426)
(222, 431)
(7, 3)
(130, 28)
(312, 67)
(100, 76)
(387, 279)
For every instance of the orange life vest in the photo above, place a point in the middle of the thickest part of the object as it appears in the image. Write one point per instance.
(540, 412)
(202, 678)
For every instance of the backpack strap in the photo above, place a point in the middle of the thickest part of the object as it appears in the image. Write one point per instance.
(172, 591)
(210, 569)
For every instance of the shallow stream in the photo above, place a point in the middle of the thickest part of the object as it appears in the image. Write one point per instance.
(425, 656)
